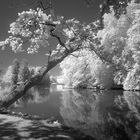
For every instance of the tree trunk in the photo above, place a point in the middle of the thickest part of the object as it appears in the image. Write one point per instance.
(21, 89)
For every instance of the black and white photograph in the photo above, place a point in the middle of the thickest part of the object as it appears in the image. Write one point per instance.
(69, 69)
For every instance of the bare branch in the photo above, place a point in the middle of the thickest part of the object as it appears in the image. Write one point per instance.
(49, 24)
(41, 5)
(54, 35)
(57, 37)
(74, 55)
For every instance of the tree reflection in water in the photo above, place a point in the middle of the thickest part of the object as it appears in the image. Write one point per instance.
(41, 101)
(106, 115)
(36, 94)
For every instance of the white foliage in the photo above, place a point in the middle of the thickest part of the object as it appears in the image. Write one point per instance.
(132, 81)
(117, 44)
(86, 70)
(8, 75)
(103, 74)
(121, 41)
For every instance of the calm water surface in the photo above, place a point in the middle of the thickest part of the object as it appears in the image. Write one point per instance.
(104, 115)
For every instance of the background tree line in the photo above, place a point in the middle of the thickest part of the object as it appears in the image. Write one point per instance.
(19, 72)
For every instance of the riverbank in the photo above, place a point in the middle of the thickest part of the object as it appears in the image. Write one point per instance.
(24, 126)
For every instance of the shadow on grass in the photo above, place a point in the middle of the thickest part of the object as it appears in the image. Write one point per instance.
(8, 130)
(36, 129)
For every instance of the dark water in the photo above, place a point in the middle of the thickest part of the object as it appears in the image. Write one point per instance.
(104, 115)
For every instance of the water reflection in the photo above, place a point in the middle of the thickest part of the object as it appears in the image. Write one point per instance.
(106, 115)
(37, 94)
(40, 101)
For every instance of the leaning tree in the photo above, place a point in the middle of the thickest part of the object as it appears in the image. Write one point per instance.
(34, 29)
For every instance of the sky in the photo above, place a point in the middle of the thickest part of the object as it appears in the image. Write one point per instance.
(67, 8)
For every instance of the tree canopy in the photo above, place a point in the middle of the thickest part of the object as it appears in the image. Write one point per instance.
(114, 40)
(118, 49)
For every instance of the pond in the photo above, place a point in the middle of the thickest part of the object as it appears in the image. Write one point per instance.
(104, 115)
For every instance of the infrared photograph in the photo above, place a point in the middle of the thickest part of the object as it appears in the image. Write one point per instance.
(70, 70)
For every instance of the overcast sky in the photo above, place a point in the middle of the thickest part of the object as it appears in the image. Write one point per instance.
(68, 8)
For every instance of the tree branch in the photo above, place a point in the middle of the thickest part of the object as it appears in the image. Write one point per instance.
(41, 5)
(58, 38)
